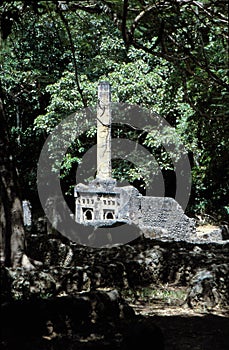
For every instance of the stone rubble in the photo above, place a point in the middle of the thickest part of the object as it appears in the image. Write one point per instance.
(69, 268)
(76, 297)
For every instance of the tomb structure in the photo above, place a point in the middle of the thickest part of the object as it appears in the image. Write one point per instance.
(103, 203)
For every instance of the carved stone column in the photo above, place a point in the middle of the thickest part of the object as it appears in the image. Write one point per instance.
(104, 132)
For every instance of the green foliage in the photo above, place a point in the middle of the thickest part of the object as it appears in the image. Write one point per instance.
(170, 58)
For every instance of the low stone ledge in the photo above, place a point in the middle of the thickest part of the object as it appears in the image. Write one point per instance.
(94, 320)
(142, 263)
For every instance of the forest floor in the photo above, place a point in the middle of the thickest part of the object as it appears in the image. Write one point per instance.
(184, 328)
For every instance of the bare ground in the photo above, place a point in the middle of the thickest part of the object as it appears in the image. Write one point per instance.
(184, 328)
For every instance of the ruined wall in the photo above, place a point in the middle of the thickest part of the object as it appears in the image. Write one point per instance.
(162, 217)
(69, 268)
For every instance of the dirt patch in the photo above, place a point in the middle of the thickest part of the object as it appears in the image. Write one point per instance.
(184, 328)
(205, 332)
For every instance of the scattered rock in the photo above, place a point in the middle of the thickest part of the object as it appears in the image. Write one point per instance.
(74, 298)
(97, 318)
(209, 287)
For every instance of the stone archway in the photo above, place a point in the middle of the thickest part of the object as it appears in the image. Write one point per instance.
(88, 215)
(109, 215)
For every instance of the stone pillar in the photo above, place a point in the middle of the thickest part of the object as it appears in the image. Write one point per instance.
(27, 215)
(104, 132)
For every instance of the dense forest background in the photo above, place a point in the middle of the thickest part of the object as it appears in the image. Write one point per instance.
(168, 56)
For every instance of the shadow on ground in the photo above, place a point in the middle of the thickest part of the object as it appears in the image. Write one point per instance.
(207, 332)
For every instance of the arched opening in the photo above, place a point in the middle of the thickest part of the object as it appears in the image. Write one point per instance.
(88, 215)
(109, 215)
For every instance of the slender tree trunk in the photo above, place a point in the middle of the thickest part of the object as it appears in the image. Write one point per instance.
(12, 233)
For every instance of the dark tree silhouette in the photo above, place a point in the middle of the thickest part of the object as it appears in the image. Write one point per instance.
(12, 233)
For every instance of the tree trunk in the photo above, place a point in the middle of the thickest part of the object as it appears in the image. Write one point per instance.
(12, 233)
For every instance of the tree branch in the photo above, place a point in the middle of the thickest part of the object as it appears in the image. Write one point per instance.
(199, 64)
(92, 8)
(138, 19)
(124, 19)
(209, 14)
(72, 48)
